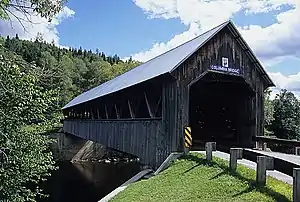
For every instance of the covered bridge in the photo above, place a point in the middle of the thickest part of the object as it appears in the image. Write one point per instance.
(212, 83)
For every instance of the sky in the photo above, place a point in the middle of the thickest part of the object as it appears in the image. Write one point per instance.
(144, 29)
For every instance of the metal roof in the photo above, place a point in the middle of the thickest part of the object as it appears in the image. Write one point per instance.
(162, 64)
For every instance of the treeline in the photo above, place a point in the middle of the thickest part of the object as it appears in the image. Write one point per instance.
(72, 71)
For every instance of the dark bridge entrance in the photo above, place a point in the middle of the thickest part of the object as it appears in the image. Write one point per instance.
(219, 110)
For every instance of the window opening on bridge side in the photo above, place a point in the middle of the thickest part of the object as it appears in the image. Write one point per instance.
(133, 104)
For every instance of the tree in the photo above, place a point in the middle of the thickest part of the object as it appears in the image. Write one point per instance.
(80, 51)
(27, 111)
(45, 8)
(269, 111)
(39, 37)
(50, 71)
(286, 123)
(2, 41)
(67, 87)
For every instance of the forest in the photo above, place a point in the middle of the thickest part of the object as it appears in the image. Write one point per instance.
(38, 78)
(72, 71)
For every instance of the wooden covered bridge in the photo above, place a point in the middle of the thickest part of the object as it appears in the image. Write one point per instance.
(213, 84)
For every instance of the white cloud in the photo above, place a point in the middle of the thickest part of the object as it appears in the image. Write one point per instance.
(291, 82)
(162, 8)
(159, 48)
(280, 39)
(271, 44)
(281, 36)
(37, 25)
(204, 15)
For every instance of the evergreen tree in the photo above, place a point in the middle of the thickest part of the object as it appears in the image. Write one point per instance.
(80, 51)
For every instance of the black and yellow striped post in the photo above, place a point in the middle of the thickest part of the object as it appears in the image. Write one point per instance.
(188, 137)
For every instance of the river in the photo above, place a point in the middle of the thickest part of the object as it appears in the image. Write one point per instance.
(87, 181)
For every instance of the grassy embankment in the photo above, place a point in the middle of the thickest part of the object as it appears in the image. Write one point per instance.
(194, 179)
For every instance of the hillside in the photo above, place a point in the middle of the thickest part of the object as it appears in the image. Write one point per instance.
(72, 71)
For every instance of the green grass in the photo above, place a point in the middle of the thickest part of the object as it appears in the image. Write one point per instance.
(192, 178)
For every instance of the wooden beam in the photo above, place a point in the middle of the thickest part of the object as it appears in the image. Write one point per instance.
(130, 110)
(117, 112)
(106, 112)
(148, 106)
(98, 114)
(157, 106)
(92, 114)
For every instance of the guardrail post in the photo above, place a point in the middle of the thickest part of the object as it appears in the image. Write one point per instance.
(296, 184)
(264, 146)
(264, 163)
(209, 147)
(259, 145)
(297, 151)
(235, 154)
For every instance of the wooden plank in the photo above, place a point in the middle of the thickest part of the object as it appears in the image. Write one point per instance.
(106, 112)
(149, 106)
(98, 114)
(131, 110)
(117, 112)
(157, 106)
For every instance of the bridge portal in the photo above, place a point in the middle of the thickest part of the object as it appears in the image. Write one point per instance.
(219, 111)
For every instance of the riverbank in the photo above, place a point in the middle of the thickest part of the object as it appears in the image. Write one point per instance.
(192, 178)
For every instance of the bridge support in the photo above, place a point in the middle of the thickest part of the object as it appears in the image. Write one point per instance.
(71, 148)
(296, 184)
(264, 163)
(209, 147)
(235, 154)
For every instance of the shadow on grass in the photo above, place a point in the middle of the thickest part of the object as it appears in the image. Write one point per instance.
(199, 162)
(252, 184)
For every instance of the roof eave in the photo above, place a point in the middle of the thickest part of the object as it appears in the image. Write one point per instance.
(68, 106)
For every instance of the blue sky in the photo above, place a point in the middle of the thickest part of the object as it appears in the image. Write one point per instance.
(145, 28)
(115, 27)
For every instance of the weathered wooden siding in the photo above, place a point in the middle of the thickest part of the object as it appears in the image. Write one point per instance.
(175, 118)
(142, 138)
(176, 93)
